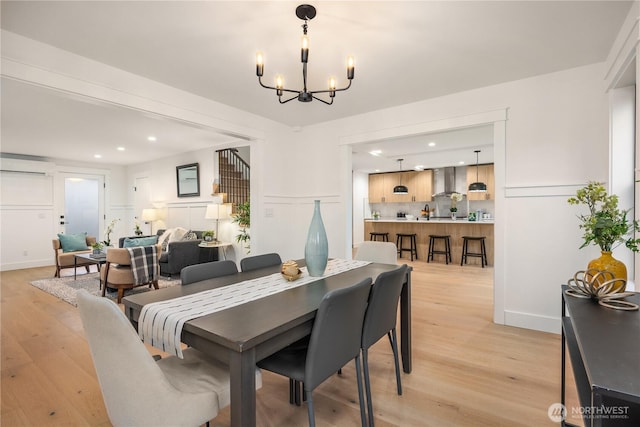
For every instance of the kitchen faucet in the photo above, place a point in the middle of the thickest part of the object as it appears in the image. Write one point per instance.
(426, 208)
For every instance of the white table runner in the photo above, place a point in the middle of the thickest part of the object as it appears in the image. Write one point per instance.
(160, 323)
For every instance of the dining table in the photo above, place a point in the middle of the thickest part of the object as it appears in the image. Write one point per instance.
(244, 334)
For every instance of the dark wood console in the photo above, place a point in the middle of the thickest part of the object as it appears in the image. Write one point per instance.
(604, 347)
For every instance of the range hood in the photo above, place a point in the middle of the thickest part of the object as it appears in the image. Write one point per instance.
(449, 178)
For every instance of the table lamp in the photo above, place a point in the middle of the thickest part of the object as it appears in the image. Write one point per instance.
(149, 215)
(217, 211)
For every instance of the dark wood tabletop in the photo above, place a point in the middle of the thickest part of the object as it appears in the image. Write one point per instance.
(245, 334)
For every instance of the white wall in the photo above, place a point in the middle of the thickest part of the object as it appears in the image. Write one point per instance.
(557, 123)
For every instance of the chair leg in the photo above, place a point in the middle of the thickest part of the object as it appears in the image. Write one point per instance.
(367, 384)
(291, 392)
(120, 295)
(363, 420)
(394, 347)
(312, 418)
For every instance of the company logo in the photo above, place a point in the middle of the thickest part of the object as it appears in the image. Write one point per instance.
(557, 412)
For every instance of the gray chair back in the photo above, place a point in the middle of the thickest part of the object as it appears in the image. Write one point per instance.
(382, 310)
(335, 336)
(259, 261)
(207, 270)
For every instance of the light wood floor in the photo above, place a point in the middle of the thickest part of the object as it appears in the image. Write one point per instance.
(467, 371)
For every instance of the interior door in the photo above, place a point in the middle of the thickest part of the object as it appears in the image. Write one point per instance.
(141, 201)
(81, 208)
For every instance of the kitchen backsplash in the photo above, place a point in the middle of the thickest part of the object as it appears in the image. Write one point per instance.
(441, 205)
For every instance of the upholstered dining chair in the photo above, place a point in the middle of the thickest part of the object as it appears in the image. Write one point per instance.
(137, 390)
(259, 261)
(334, 341)
(380, 320)
(207, 270)
(118, 272)
(382, 252)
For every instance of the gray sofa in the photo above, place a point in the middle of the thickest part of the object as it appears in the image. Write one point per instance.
(181, 254)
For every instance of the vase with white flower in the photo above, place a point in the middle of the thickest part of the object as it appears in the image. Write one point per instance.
(455, 198)
(108, 231)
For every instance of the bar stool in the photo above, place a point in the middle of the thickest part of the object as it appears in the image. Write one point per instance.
(374, 236)
(447, 247)
(465, 249)
(413, 250)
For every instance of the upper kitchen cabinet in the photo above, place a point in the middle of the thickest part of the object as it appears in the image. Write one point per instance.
(377, 187)
(484, 174)
(420, 185)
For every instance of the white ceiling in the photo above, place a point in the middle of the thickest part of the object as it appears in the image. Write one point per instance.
(405, 52)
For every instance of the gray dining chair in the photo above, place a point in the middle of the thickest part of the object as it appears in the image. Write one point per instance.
(207, 270)
(137, 390)
(259, 261)
(382, 252)
(380, 320)
(334, 341)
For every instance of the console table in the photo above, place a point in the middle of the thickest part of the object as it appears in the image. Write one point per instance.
(604, 348)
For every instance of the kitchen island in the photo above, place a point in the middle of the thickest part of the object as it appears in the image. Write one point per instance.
(423, 228)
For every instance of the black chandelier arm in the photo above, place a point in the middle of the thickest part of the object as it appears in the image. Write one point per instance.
(331, 90)
(275, 88)
(322, 100)
(290, 99)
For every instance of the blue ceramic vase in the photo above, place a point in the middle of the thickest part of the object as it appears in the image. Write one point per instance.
(316, 251)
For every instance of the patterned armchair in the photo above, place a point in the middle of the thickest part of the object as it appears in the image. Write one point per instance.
(118, 272)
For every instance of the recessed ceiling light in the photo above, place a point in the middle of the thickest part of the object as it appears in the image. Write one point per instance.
(432, 144)
(461, 162)
(97, 156)
(375, 152)
(377, 170)
(419, 167)
(152, 138)
(120, 148)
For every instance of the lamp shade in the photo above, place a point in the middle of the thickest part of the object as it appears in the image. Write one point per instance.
(149, 214)
(217, 211)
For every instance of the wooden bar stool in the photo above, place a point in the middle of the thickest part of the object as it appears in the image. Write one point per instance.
(374, 236)
(465, 249)
(447, 247)
(413, 249)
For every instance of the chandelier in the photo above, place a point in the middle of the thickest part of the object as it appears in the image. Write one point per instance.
(305, 12)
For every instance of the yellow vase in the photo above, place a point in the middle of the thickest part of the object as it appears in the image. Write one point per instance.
(609, 263)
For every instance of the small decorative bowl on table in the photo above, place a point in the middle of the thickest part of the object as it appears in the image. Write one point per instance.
(290, 271)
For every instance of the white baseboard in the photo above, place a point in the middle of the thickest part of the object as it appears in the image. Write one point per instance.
(531, 321)
(28, 264)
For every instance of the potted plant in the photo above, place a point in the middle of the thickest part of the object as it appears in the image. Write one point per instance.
(242, 217)
(108, 231)
(606, 226)
(455, 198)
(137, 231)
(97, 247)
(208, 235)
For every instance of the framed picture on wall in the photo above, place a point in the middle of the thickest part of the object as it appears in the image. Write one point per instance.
(188, 180)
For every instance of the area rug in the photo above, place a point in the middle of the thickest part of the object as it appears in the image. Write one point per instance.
(65, 288)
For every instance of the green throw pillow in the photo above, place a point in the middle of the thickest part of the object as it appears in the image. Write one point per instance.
(140, 241)
(73, 242)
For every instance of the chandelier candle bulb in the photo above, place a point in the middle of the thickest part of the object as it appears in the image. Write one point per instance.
(259, 64)
(350, 67)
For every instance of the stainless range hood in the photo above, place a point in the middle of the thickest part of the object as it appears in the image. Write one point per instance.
(448, 176)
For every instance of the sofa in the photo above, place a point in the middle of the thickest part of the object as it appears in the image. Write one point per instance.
(181, 253)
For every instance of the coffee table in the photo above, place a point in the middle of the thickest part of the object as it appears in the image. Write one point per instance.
(86, 257)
